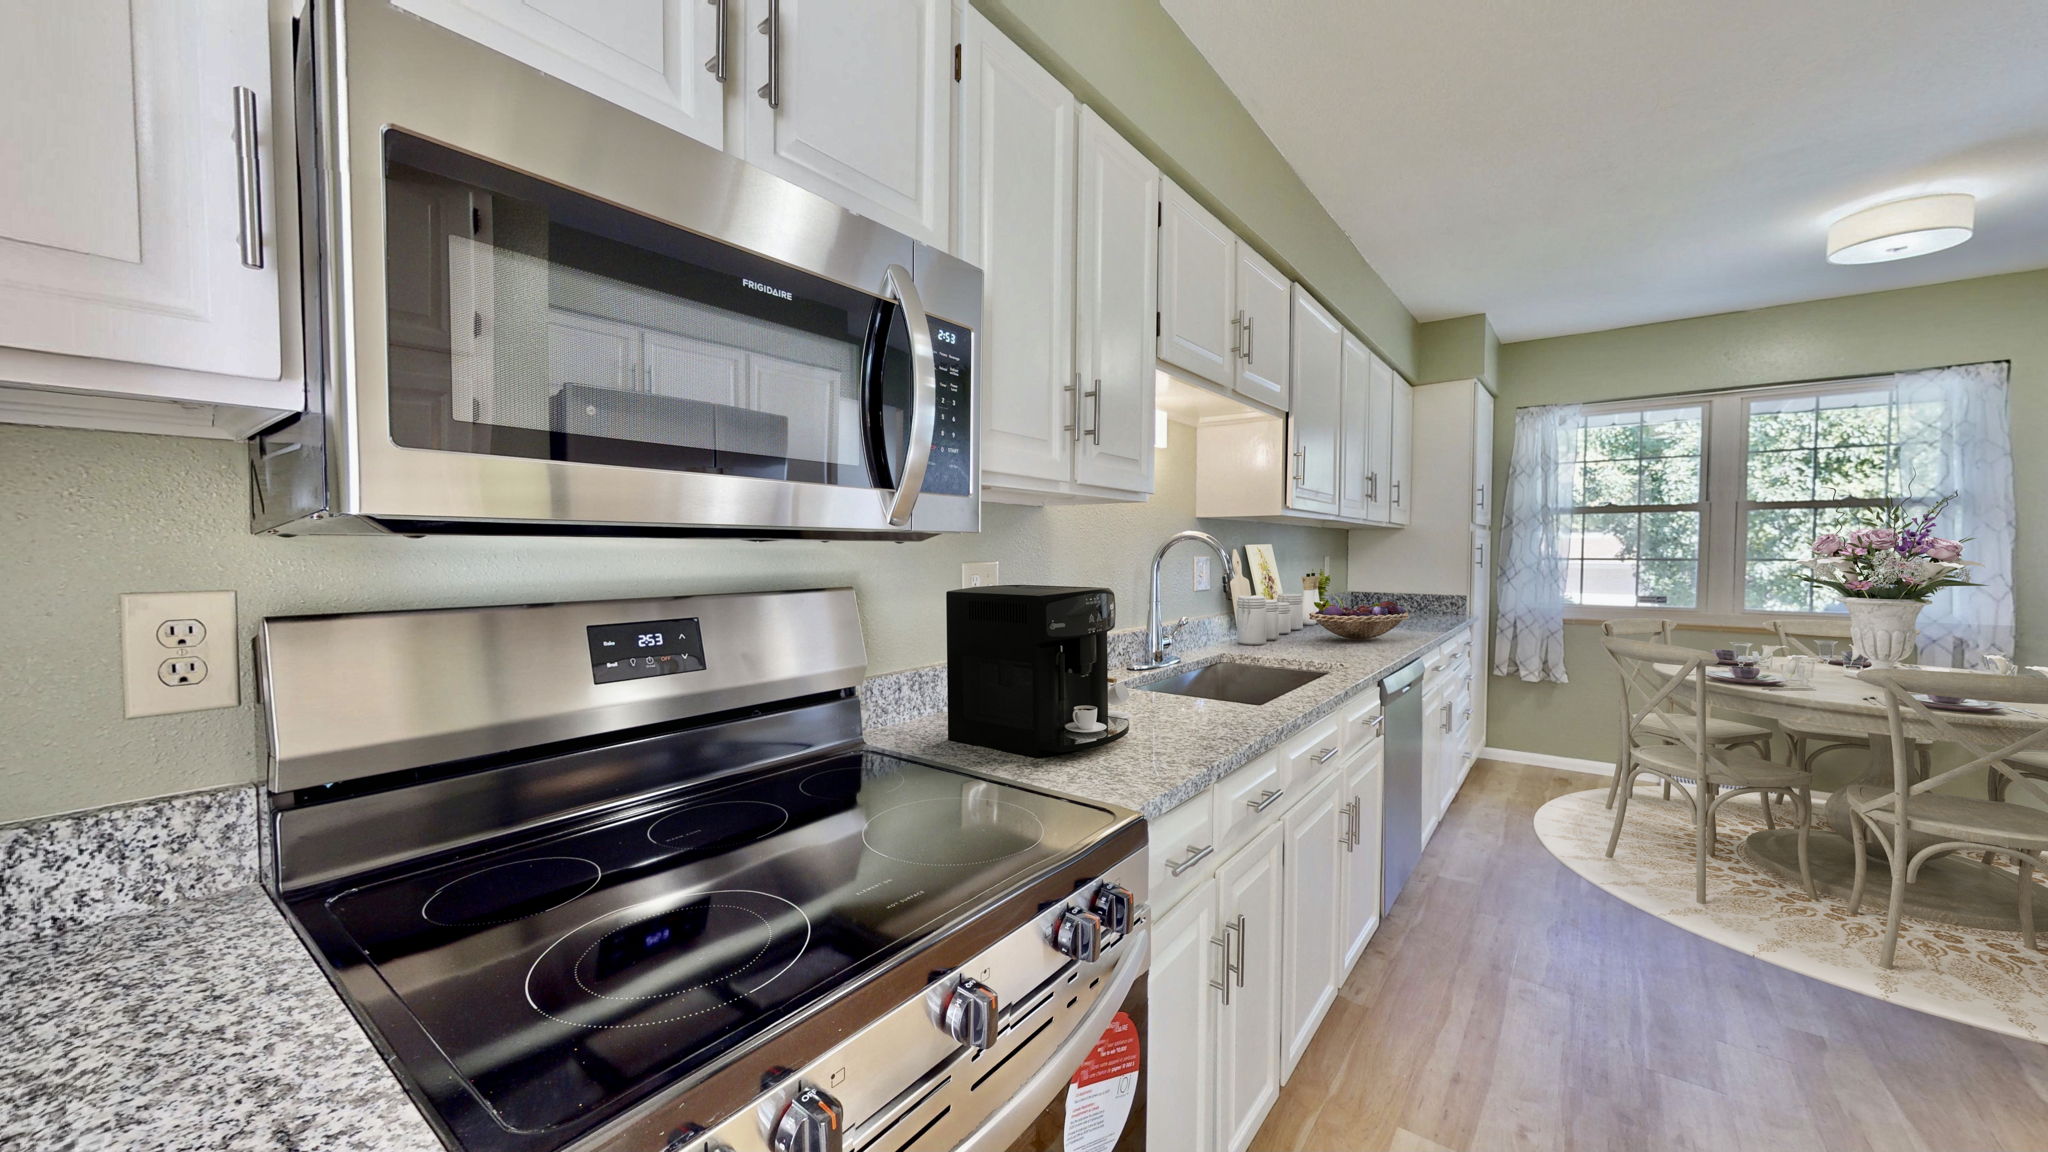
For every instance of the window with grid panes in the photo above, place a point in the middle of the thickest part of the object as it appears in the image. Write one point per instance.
(1634, 534)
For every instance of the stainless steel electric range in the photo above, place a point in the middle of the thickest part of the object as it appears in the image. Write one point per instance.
(621, 875)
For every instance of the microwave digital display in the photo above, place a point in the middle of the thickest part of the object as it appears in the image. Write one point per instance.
(648, 648)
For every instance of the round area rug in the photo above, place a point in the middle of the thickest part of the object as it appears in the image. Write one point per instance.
(1977, 977)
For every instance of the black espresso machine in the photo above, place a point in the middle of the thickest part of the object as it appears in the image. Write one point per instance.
(1027, 668)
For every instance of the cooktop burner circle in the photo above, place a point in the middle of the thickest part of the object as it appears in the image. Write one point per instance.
(846, 783)
(511, 891)
(952, 832)
(729, 822)
(668, 959)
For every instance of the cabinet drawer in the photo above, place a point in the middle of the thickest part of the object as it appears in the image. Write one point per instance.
(1362, 725)
(1182, 852)
(1248, 799)
(1313, 753)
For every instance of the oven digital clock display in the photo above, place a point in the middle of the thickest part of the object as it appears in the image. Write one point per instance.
(648, 648)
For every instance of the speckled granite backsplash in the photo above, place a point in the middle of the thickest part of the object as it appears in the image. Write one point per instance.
(72, 871)
(895, 697)
(1418, 603)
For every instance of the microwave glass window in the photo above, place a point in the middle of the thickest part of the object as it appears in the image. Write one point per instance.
(528, 320)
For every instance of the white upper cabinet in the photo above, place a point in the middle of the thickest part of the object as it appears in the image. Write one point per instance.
(1197, 298)
(1264, 303)
(1482, 456)
(138, 227)
(854, 101)
(659, 58)
(1318, 366)
(1355, 430)
(1379, 435)
(1401, 455)
(1017, 224)
(1115, 306)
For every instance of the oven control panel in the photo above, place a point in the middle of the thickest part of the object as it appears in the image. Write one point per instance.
(645, 648)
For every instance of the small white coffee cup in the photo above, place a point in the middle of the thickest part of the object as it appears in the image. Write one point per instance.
(1084, 716)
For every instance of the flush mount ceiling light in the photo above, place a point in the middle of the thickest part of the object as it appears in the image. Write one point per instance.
(1902, 228)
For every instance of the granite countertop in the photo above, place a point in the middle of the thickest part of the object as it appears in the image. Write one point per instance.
(201, 1025)
(1179, 745)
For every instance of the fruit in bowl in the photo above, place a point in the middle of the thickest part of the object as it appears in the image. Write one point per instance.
(1383, 608)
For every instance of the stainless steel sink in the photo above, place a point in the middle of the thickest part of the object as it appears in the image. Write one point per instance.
(1235, 682)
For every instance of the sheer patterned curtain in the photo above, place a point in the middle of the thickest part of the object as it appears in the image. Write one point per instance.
(1955, 435)
(1528, 638)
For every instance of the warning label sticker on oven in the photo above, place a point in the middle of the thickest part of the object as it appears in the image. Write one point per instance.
(1100, 1096)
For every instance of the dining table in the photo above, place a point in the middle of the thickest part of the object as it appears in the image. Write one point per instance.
(1955, 888)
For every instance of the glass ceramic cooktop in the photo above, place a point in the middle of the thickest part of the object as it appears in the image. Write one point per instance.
(558, 974)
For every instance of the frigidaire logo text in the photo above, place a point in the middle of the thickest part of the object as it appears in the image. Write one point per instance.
(770, 289)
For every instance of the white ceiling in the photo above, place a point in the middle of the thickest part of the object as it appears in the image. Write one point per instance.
(1574, 165)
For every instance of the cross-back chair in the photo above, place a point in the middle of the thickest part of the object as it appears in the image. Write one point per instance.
(1720, 733)
(1664, 689)
(1957, 823)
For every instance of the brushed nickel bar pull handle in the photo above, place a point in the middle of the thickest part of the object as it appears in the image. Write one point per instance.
(1251, 337)
(1073, 425)
(1266, 800)
(1195, 856)
(1095, 395)
(1397, 492)
(1325, 755)
(716, 65)
(1240, 949)
(1237, 335)
(772, 28)
(1223, 985)
(249, 177)
(1301, 465)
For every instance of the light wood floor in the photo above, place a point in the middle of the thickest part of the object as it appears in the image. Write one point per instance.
(1507, 1003)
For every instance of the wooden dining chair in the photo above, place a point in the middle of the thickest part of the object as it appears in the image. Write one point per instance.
(1665, 690)
(1957, 823)
(1810, 741)
(1720, 733)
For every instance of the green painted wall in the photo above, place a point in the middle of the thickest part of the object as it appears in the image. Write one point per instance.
(1130, 62)
(1460, 348)
(1994, 318)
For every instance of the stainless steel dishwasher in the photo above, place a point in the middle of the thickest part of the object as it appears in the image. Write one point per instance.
(1401, 805)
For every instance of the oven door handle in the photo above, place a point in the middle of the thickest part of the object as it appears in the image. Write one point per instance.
(924, 397)
(1016, 1115)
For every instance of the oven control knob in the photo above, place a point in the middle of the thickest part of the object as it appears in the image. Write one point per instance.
(810, 1122)
(1077, 934)
(1114, 904)
(969, 1015)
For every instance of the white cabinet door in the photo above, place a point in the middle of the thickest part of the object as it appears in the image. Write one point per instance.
(1436, 733)
(592, 352)
(1364, 782)
(1264, 301)
(122, 223)
(1119, 192)
(693, 369)
(1482, 455)
(1197, 296)
(854, 102)
(655, 57)
(1180, 1036)
(1318, 370)
(1017, 224)
(1380, 441)
(1356, 424)
(1314, 830)
(1249, 913)
(1401, 453)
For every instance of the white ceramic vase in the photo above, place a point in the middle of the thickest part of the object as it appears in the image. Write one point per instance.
(1886, 631)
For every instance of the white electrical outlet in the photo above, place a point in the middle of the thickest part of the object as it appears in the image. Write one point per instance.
(179, 652)
(1205, 580)
(978, 575)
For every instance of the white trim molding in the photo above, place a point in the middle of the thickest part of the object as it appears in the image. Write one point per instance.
(1546, 760)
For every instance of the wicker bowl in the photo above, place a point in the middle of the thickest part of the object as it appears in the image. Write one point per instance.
(1359, 627)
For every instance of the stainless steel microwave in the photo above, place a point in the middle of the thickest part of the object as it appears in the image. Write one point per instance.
(530, 310)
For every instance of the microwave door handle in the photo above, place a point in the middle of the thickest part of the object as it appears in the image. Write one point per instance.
(924, 410)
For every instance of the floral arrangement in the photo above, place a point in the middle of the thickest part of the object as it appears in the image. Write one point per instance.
(1892, 554)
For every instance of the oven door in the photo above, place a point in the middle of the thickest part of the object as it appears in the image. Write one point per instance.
(548, 313)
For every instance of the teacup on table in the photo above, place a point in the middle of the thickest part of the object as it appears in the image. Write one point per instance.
(1745, 671)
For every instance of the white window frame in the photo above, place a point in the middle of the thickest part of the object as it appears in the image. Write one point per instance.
(1724, 546)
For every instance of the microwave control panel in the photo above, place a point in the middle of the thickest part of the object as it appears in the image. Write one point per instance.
(952, 468)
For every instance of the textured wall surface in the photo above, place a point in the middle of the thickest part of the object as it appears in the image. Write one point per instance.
(1994, 318)
(86, 516)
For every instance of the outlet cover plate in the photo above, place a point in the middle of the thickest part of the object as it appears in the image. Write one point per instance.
(143, 653)
(981, 574)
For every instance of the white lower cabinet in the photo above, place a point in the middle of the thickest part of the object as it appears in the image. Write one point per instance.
(1314, 832)
(1187, 964)
(1359, 889)
(1249, 894)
